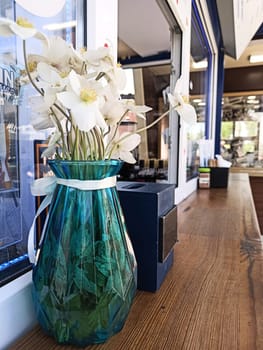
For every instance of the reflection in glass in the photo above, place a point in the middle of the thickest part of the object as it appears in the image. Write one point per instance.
(151, 85)
(17, 163)
(199, 78)
(242, 130)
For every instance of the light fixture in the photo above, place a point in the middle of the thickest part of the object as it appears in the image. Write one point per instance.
(256, 58)
(197, 100)
(61, 25)
(253, 102)
(200, 64)
(47, 8)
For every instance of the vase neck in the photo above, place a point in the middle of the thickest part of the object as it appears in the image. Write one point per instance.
(85, 170)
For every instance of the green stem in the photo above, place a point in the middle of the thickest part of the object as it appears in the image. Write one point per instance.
(116, 129)
(75, 150)
(64, 146)
(28, 72)
(99, 141)
(95, 148)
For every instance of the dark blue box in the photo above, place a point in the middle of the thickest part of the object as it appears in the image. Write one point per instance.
(219, 177)
(151, 219)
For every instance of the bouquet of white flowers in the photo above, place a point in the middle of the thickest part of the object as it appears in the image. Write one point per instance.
(79, 98)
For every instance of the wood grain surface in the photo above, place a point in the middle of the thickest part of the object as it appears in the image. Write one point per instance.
(212, 298)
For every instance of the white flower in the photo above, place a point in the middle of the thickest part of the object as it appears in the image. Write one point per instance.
(185, 110)
(52, 144)
(99, 58)
(40, 115)
(113, 110)
(50, 81)
(83, 102)
(79, 98)
(21, 28)
(102, 61)
(137, 109)
(124, 145)
(117, 77)
(61, 55)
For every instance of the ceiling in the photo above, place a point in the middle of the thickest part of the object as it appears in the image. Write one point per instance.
(254, 47)
(143, 30)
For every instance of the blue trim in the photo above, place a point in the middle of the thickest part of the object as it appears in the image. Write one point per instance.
(220, 91)
(12, 262)
(213, 12)
(208, 75)
(165, 55)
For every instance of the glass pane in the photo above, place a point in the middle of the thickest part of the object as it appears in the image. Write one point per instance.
(152, 153)
(153, 76)
(246, 128)
(19, 153)
(242, 130)
(199, 77)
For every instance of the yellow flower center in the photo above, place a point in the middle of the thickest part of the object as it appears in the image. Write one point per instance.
(185, 98)
(23, 22)
(63, 74)
(32, 66)
(88, 95)
(83, 50)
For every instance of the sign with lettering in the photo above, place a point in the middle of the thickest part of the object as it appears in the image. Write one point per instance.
(9, 84)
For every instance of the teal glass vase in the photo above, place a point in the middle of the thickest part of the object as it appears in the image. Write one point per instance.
(84, 278)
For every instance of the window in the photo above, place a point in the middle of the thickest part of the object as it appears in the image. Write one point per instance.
(242, 129)
(18, 162)
(203, 68)
(200, 88)
(154, 71)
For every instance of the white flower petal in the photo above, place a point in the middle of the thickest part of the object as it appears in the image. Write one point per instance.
(94, 56)
(100, 121)
(113, 111)
(45, 71)
(74, 82)
(84, 116)
(179, 86)
(5, 27)
(187, 113)
(54, 138)
(39, 117)
(127, 157)
(129, 141)
(23, 32)
(50, 99)
(49, 151)
(68, 99)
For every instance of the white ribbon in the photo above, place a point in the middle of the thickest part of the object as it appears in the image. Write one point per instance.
(45, 187)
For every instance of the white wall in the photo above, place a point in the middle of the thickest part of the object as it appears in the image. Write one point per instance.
(102, 23)
(16, 310)
(182, 12)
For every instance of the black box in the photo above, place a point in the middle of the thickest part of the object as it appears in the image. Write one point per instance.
(219, 177)
(151, 219)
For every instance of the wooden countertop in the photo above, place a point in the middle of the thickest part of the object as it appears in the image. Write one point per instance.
(250, 171)
(212, 298)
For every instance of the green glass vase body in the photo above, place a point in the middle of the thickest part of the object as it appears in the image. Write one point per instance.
(84, 279)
